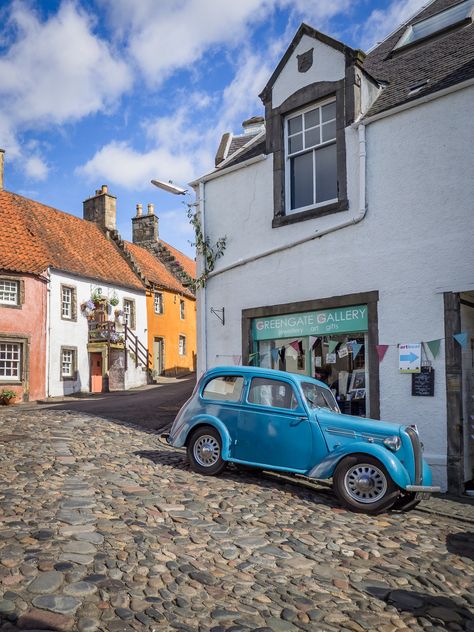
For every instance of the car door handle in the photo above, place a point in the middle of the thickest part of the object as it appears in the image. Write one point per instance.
(298, 420)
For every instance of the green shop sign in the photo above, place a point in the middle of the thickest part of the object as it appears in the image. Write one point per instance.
(328, 321)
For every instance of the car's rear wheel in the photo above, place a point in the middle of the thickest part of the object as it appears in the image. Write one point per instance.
(363, 484)
(205, 451)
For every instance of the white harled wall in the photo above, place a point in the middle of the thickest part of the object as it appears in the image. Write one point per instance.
(64, 333)
(414, 244)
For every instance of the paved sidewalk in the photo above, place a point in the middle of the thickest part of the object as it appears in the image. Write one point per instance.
(102, 527)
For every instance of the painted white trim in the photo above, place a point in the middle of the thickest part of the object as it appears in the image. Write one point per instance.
(354, 220)
(420, 101)
(202, 353)
(217, 174)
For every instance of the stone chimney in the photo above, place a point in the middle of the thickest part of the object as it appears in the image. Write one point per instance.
(101, 208)
(253, 125)
(2, 157)
(145, 227)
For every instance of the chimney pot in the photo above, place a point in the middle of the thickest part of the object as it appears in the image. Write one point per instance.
(139, 210)
(104, 188)
(151, 208)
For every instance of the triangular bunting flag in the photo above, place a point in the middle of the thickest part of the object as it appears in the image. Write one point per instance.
(356, 347)
(275, 354)
(300, 347)
(312, 341)
(433, 346)
(296, 345)
(252, 357)
(332, 345)
(461, 339)
(381, 351)
(282, 354)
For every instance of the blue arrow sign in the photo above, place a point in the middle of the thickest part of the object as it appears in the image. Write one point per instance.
(410, 357)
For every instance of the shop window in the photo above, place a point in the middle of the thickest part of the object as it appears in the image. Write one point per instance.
(226, 388)
(10, 361)
(182, 345)
(158, 302)
(274, 393)
(311, 158)
(68, 363)
(181, 309)
(129, 313)
(68, 302)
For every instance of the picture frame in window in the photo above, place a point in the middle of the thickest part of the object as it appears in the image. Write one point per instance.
(357, 380)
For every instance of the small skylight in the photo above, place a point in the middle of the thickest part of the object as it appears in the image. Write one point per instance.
(438, 22)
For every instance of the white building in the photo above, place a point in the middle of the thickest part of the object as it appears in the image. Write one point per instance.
(348, 213)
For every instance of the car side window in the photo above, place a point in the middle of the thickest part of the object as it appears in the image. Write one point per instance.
(224, 388)
(274, 393)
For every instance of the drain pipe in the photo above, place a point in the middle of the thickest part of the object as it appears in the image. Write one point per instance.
(319, 233)
(203, 302)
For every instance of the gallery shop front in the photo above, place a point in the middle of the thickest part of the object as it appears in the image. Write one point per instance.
(331, 339)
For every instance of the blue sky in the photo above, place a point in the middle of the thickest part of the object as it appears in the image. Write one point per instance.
(118, 92)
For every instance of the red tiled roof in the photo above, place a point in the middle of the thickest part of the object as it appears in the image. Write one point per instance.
(35, 237)
(187, 264)
(154, 270)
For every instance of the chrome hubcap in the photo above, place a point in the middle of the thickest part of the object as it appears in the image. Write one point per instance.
(365, 483)
(206, 451)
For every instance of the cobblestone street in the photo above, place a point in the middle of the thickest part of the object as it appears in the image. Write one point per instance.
(102, 527)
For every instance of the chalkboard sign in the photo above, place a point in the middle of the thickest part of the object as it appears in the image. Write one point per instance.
(422, 384)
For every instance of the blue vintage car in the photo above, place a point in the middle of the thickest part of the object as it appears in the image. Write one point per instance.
(281, 421)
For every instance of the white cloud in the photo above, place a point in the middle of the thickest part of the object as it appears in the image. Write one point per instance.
(381, 22)
(119, 163)
(168, 35)
(54, 71)
(36, 168)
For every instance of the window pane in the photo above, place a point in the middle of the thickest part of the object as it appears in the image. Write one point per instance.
(295, 124)
(267, 392)
(226, 387)
(311, 137)
(9, 292)
(295, 143)
(326, 173)
(329, 131)
(311, 118)
(301, 180)
(10, 361)
(328, 111)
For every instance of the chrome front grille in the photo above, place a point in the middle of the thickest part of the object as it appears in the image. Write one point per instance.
(415, 442)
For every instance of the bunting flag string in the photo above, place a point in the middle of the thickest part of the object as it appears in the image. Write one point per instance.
(461, 339)
(356, 347)
(434, 346)
(332, 345)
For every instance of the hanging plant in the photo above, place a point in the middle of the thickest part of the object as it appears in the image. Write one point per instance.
(210, 253)
(114, 300)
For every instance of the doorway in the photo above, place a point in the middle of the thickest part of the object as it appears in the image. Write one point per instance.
(158, 356)
(97, 382)
(467, 366)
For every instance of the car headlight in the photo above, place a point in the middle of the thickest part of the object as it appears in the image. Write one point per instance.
(392, 443)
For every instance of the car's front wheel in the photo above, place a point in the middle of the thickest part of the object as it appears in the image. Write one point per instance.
(363, 484)
(205, 451)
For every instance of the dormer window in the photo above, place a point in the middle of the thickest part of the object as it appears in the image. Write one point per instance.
(311, 158)
(437, 23)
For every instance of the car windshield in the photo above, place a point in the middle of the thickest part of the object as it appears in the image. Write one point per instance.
(319, 397)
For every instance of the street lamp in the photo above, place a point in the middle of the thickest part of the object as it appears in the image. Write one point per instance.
(170, 187)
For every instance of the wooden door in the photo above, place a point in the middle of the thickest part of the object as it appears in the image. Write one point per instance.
(96, 373)
(158, 360)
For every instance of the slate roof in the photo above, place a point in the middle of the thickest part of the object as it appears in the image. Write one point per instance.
(35, 236)
(444, 60)
(155, 271)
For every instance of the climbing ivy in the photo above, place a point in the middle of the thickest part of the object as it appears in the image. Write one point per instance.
(210, 253)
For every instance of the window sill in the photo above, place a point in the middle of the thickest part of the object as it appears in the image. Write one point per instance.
(11, 306)
(327, 209)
